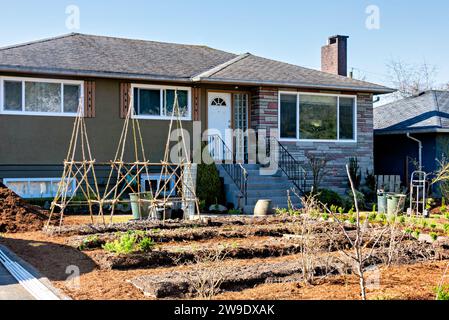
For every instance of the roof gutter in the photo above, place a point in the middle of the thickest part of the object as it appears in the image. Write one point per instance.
(93, 74)
(296, 85)
(420, 149)
(197, 79)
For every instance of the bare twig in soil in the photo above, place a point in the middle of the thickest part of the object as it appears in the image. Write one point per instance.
(208, 273)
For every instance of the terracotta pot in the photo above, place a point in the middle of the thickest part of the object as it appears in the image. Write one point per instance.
(263, 208)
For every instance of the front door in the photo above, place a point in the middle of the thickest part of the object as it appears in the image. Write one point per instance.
(219, 125)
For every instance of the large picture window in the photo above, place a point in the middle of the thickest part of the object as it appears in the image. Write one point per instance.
(152, 102)
(30, 96)
(317, 117)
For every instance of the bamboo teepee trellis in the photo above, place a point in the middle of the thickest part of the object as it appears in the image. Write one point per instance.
(181, 170)
(78, 175)
(124, 176)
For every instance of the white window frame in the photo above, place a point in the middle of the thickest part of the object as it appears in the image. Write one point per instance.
(298, 94)
(157, 177)
(6, 181)
(161, 89)
(36, 113)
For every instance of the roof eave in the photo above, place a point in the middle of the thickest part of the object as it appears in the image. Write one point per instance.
(295, 85)
(92, 74)
(147, 77)
(383, 132)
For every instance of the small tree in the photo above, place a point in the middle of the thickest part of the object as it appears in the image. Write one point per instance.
(355, 172)
(318, 165)
(411, 79)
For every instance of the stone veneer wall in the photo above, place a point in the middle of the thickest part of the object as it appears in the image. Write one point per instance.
(264, 115)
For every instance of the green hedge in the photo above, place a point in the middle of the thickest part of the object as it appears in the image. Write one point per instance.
(209, 185)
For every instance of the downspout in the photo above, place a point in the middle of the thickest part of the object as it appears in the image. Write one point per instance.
(420, 149)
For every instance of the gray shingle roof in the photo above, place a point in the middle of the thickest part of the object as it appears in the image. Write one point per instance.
(88, 55)
(97, 54)
(426, 112)
(254, 69)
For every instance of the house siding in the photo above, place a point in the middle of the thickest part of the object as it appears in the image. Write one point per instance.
(395, 154)
(43, 140)
(35, 146)
(264, 115)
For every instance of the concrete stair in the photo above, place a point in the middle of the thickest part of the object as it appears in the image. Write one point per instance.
(260, 186)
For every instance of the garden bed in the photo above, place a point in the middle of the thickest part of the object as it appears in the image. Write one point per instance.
(233, 277)
(95, 241)
(172, 255)
(89, 229)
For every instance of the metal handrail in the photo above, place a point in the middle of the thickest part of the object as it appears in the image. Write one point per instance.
(223, 155)
(288, 164)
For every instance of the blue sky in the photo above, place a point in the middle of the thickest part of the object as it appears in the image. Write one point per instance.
(291, 31)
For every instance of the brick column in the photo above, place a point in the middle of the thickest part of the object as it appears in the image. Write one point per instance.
(264, 109)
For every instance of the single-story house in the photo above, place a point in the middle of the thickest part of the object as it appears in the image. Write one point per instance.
(322, 112)
(411, 129)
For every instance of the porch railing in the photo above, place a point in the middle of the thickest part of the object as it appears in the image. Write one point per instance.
(224, 156)
(287, 163)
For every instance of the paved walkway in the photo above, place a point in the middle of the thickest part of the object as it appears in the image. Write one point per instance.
(10, 289)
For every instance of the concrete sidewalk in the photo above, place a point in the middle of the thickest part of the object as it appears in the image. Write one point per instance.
(10, 289)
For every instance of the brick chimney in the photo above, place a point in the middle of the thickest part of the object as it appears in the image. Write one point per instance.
(334, 56)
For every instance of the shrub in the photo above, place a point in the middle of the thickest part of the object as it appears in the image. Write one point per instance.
(434, 236)
(443, 208)
(424, 223)
(416, 233)
(325, 216)
(442, 293)
(146, 244)
(382, 217)
(351, 211)
(329, 198)
(446, 227)
(130, 242)
(281, 211)
(372, 217)
(235, 211)
(349, 200)
(89, 242)
(333, 208)
(209, 187)
(352, 219)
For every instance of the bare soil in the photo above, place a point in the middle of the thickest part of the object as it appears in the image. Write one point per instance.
(16, 215)
(51, 255)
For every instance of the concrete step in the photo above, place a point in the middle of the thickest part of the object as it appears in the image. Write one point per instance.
(287, 185)
(273, 187)
(278, 200)
(263, 193)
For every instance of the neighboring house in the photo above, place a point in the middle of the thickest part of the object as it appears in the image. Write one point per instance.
(425, 118)
(325, 113)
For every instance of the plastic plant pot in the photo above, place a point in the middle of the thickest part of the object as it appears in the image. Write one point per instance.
(381, 202)
(140, 210)
(395, 204)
